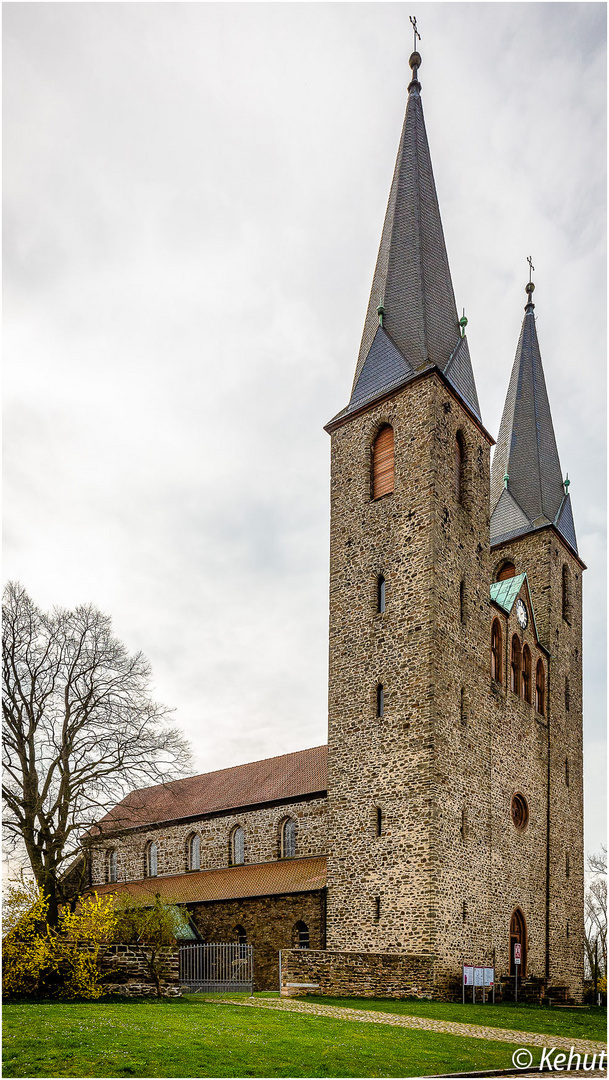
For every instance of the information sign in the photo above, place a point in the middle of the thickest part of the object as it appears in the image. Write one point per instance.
(517, 952)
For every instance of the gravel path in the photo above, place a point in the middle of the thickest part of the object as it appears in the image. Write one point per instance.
(422, 1023)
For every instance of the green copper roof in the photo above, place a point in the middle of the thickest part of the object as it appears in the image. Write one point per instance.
(505, 592)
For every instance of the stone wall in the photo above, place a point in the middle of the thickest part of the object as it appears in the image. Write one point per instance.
(269, 923)
(125, 972)
(262, 838)
(353, 974)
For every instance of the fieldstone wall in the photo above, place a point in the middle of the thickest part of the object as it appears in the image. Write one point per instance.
(269, 923)
(353, 974)
(262, 829)
(125, 972)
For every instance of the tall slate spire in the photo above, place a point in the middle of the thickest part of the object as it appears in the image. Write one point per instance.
(527, 487)
(411, 322)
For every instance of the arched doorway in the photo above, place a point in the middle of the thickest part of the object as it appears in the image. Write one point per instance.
(518, 935)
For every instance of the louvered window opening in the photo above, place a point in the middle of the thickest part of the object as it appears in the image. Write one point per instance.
(496, 649)
(516, 666)
(540, 688)
(383, 463)
(459, 458)
(508, 570)
(520, 812)
(526, 674)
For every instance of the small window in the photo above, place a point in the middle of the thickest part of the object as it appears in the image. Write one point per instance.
(376, 900)
(567, 865)
(464, 911)
(506, 570)
(378, 821)
(152, 856)
(237, 846)
(516, 665)
(567, 696)
(464, 824)
(301, 935)
(540, 688)
(193, 852)
(383, 463)
(380, 595)
(462, 601)
(380, 700)
(241, 935)
(520, 812)
(111, 865)
(463, 710)
(496, 651)
(526, 674)
(459, 467)
(566, 594)
(567, 772)
(288, 839)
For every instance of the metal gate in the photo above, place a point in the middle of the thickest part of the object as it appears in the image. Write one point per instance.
(218, 968)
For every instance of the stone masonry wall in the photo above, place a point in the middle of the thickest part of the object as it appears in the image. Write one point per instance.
(262, 837)
(125, 972)
(351, 974)
(270, 925)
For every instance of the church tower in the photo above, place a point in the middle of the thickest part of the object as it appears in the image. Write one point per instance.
(532, 530)
(454, 732)
(408, 782)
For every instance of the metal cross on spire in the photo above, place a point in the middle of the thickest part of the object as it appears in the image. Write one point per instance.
(530, 288)
(416, 32)
(531, 267)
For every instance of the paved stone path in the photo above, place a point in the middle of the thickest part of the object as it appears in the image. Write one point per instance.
(422, 1023)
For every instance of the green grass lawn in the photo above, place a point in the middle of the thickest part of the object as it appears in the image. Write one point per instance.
(590, 1023)
(196, 1038)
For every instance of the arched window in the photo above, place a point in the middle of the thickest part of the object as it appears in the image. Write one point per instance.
(288, 839)
(506, 570)
(241, 935)
(518, 936)
(496, 651)
(383, 463)
(300, 935)
(380, 700)
(111, 865)
(567, 695)
(152, 856)
(193, 852)
(462, 601)
(540, 688)
(526, 674)
(516, 664)
(380, 595)
(459, 467)
(237, 838)
(566, 594)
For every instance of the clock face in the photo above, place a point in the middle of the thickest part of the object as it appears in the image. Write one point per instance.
(521, 614)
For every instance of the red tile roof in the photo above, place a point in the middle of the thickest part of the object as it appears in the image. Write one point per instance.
(270, 780)
(229, 882)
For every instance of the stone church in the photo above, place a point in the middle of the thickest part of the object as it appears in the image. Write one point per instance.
(443, 822)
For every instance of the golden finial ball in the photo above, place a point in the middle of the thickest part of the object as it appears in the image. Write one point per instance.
(529, 288)
(415, 60)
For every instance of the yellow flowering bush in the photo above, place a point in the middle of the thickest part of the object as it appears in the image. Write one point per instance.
(64, 959)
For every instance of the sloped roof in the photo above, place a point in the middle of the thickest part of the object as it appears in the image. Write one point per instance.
(505, 592)
(227, 883)
(412, 278)
(270, 780)
(526, 451)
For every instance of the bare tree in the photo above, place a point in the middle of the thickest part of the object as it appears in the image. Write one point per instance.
(595, 914)
(80, 729)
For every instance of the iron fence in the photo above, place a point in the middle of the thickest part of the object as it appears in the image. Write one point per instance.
(218, 968)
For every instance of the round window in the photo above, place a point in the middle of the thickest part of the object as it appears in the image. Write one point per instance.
(520, 812)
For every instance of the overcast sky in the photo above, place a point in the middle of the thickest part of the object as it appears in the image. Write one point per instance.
(194, 196)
